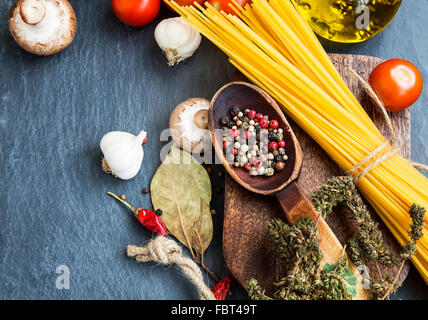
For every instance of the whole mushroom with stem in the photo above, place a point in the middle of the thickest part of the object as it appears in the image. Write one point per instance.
(42, 27)
(189, 125)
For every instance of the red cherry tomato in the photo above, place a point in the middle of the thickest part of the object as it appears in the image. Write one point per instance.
(186, 3)
(136, 13)
(397, 82)
(224, 5)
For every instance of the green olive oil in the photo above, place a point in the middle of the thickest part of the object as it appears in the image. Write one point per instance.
(348, 21)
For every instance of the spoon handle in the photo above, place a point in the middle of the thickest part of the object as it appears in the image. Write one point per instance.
(295, 205)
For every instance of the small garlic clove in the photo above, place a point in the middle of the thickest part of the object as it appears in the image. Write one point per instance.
(32, 11)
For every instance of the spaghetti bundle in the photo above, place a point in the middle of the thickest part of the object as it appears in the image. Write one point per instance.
(272, 45)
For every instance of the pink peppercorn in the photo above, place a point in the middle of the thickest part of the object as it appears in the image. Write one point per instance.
(264, 123)
(274, 124)
(252, 114)
(234, 132)
(273, 145)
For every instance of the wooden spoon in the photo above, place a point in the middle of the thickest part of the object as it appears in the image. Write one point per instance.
(283, 185)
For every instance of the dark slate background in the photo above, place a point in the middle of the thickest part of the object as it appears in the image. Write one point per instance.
(53, 112)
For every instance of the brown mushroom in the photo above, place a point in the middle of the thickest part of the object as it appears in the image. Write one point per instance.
(189, 125)
(42, 27)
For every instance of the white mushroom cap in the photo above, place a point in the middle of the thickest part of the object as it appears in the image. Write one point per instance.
(189, 125)
(42, 27)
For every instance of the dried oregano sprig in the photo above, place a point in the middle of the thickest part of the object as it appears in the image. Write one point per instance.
(370, 243)
(255, 291)
(305, 280)
(385, 286)
(341, 190)
(417, 213)
(298, 247)
(294, 242)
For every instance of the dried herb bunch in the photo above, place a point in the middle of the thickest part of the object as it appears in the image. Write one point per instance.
(299, 250)
(341, 190)
(298, 247)
(369, 243)
(386, 286)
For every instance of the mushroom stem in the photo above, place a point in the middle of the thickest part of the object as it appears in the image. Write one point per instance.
(201, 119)
(32, 11)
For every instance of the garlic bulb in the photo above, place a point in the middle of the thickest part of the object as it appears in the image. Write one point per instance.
(177, 39)
(123, 153)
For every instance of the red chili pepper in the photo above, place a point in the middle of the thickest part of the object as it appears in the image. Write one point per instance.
(147, 218)
(221, 288)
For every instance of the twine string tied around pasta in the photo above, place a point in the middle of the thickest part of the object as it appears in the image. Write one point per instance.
(377, 155)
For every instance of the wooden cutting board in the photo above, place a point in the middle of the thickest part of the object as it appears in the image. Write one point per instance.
(246, 248)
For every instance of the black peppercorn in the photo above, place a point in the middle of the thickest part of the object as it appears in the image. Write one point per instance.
(235, 111)
(224, 121)
(158, 212)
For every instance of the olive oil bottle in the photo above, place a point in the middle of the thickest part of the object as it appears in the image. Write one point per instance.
(348, 21)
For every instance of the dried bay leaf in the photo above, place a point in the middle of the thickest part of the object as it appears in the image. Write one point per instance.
(181, 188)
(204, 227)
(178, 156)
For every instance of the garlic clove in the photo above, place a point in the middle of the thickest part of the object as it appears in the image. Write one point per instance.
(123, 153)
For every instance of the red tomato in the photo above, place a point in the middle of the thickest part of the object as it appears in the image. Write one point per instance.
(224, 5)
(136, 13)
(185, 3)
(397, 82)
